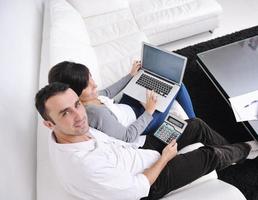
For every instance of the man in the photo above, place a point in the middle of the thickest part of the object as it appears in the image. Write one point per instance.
(92, 165)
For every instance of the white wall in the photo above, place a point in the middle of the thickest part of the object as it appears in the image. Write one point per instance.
(20, 40)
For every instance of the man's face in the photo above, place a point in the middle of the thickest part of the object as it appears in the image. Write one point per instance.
(67, 113)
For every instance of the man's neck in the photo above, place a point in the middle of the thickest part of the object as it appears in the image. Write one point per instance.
(67, 139)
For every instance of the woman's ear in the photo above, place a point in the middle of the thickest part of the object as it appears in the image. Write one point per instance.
(48, 124)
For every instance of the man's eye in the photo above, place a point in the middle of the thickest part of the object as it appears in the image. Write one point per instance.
(65, 113)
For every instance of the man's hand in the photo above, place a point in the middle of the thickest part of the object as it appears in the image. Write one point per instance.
(169, 151)
(137, 64)
(151, 102)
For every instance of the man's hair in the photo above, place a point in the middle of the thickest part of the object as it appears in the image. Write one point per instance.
(45, 93)
(74, 74)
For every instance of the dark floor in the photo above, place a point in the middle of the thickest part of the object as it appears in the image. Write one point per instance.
(212, 108)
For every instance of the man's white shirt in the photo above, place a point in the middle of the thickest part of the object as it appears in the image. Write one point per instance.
(102, 168)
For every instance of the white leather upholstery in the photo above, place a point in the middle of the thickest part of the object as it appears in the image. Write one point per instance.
(213, 190)
(114, 37)
(164, 21)
(66, 37)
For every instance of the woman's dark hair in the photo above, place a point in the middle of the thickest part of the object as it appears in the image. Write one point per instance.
(74, 74)
(44, 94)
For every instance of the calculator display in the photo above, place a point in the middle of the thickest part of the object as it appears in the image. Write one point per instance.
(175, 122)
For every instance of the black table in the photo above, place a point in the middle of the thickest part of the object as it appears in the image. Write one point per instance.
(233, 69)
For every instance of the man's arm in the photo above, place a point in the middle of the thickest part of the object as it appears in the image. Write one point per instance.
(168, 153)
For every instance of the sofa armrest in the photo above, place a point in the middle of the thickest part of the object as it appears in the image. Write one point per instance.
(213, 189)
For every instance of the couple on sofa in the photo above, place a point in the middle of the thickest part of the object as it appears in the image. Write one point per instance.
(92, 165)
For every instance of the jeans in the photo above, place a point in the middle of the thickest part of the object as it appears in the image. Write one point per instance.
(185, 168)
(182, 97)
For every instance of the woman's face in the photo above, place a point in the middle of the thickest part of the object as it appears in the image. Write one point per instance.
(90, 92)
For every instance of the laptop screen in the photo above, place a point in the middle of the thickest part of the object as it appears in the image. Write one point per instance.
(165, 64)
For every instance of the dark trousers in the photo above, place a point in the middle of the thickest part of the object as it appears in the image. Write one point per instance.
(185, 168)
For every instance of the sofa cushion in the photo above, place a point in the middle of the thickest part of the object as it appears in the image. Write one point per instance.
(115, 38)
(68, 38)
(142, 8)
(104, 26)
(107, 27)
(162, 15)
(115, 57)
(213, 190)
(89, 8)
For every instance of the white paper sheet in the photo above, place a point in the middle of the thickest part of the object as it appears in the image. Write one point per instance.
(245, 107)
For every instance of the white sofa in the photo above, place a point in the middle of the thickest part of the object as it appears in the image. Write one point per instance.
(165, 21)
(106, 39)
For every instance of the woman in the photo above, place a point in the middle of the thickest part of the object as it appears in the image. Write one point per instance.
(125, 120)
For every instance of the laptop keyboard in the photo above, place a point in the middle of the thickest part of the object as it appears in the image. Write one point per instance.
(154, 84)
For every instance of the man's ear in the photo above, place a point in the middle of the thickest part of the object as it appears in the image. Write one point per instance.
(48, 124)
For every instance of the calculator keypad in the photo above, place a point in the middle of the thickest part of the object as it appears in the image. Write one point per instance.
(166, 133)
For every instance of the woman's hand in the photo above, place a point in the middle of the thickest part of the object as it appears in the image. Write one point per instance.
(137, 64)
(151, 102)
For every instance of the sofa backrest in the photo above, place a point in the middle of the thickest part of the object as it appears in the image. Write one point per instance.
(113, 34)
(66, 37)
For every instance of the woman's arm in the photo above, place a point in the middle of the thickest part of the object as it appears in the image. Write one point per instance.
(115, 88)
(103, 119)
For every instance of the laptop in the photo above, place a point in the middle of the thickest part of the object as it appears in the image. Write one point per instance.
(162, 71)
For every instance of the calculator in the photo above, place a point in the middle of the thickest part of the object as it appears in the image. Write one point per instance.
(170, 129)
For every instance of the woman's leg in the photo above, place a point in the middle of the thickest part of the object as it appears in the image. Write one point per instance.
(158, 117)
(184, 100)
